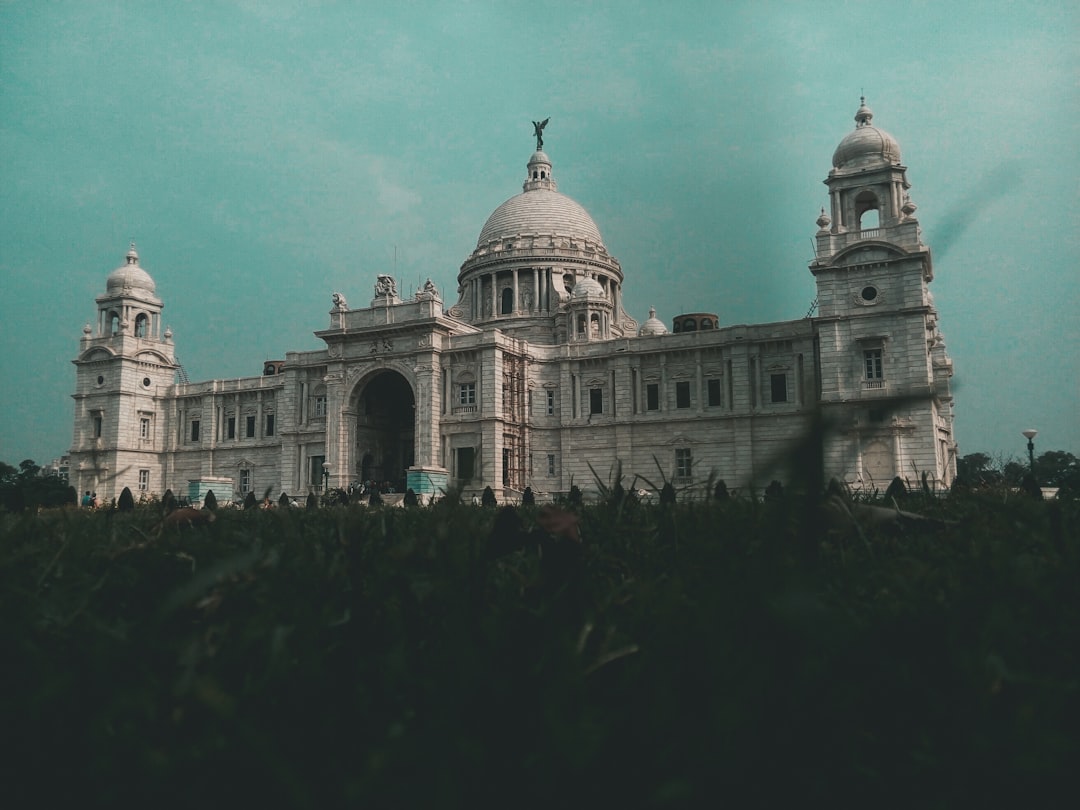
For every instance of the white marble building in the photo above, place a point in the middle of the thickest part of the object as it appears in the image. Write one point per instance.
(537, 370)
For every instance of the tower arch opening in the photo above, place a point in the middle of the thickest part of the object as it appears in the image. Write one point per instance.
(385, 435)
(866, 210)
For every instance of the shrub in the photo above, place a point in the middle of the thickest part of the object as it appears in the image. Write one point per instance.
(126, 502)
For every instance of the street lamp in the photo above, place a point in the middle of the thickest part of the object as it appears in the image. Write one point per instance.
(1030, 435)
(326, 477)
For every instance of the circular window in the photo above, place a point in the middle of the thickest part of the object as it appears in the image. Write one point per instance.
(146, 382)
(869, 293)
(100, 380)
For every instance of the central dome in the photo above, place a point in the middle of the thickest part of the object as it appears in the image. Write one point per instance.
(539, 210)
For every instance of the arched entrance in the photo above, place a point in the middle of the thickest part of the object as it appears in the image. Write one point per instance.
(385, 430)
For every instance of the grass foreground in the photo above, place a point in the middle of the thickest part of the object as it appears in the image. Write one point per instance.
(718, 653)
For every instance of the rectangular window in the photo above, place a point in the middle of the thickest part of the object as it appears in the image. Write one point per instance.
(551, 463)
(467, 394)
(684, 463)
(550, 403)
(269, 424)
(596, 400)
(466, 461)
(715, 397)
(230, 428)
(874, 367)
(144, 427)
(778, 384)
(194, 430)
(144, 480)
(316, 472)
(251, 427)
(320, 406)
(652, 397)
(682, 394)
(97, 426)
(245, 481)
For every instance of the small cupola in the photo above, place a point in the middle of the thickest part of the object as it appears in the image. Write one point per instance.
(539, 173)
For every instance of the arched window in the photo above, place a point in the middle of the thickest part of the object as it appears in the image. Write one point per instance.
(594, 324)
(507, 307)
(706, 323)
(141, 324)
(689, 325)
(866, 210)
(114, 322)
(581, 324)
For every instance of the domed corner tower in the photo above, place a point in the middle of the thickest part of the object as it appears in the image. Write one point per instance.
(883, 358)
(125, 370)
(532, 251)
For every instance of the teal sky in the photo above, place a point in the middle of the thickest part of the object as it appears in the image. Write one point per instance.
(263, 154)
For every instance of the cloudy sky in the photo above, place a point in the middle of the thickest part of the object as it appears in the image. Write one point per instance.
(263, 154)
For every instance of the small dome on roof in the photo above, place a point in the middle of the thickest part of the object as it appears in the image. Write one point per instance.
(129, 276)
(587, 288)
(653, 326)
(866, 145)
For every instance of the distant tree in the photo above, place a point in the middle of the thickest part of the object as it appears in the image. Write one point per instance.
(1056, 468)
(488, 498)
(26, 488)
(528, 498)
(1030, 486)
(312, 501)
(210, 501)
(8, 473)
(1014, 472)
(168, 501)
(126, 502)
(410, 498)
(774, 491)
(978, 469)
(250, 501)
(375, 499)
(574, 496)
(720, 491)
(283, 501)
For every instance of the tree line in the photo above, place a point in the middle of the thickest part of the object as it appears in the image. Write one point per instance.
(1054, 468)
(29, 487)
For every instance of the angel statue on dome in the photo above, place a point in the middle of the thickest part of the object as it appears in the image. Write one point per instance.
(538, 130)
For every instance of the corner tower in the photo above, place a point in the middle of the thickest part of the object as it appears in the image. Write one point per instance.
(884, 371)
(125, 369)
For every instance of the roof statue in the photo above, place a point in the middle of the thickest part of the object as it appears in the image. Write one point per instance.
(538, 130)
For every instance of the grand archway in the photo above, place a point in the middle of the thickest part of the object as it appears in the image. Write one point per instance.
(385, 448)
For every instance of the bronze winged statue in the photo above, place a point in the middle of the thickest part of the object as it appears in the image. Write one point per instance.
(538, 130)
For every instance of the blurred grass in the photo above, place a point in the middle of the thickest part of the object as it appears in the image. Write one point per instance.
(681, 655)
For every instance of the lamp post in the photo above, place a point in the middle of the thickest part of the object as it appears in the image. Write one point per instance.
(326, 477)
(1030, 435)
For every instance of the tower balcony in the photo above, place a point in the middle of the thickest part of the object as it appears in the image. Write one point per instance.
(904, 235)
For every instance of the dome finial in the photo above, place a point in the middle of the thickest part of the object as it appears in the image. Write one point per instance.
(132, 254)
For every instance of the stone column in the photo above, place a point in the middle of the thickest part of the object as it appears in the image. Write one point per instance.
(517, 301)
